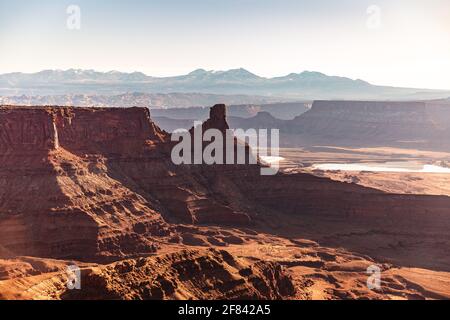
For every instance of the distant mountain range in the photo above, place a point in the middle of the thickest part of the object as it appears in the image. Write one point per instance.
(295, 86)
(136, 99)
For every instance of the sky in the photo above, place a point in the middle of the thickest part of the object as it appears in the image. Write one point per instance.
(402, 43)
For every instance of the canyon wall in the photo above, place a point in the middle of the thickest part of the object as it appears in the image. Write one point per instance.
(382, 123)
(106, 131)
(100, 184)
(56, 197)
(26, 131)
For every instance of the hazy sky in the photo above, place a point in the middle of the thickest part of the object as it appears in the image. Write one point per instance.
(410, 46)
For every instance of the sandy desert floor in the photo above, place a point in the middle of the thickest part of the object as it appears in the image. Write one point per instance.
(297, 160)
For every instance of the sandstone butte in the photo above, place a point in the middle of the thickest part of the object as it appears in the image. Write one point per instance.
(97, 187)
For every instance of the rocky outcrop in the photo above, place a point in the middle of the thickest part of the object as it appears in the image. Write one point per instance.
(186, 274)
(217, 118)
(206, 274)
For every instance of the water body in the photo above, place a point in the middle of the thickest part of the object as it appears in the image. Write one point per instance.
(271, 159)
(404, 166)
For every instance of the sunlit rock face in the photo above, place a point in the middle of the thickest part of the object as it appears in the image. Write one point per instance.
(93, 183)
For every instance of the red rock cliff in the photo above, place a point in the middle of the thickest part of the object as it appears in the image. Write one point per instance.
(26, 131)
(86, 182)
